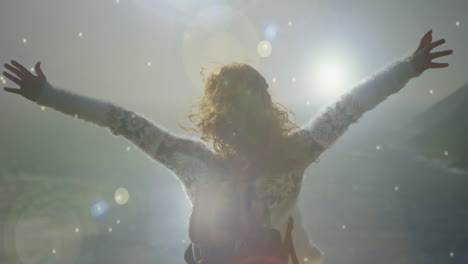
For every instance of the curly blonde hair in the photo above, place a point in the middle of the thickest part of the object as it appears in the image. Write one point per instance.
(236, 102)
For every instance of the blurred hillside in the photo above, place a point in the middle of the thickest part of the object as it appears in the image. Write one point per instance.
(441, 132)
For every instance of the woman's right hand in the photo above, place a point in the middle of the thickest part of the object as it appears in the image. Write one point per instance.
(30, 86)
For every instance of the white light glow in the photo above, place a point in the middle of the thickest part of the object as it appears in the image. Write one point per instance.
(331, 77)
(121, 196)
(264, 48)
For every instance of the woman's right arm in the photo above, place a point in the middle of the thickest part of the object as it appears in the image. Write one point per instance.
(186, 157)
(85, 108)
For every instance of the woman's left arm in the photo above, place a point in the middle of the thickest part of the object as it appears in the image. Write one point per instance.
(332, 121)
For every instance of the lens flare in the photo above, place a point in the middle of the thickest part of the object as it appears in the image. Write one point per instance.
(121, 196)
(99, 209)
(40, 232)
(264, 48)
(270, 31)
(217, 36)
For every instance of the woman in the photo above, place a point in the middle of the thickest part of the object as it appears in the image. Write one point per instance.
(248, 131)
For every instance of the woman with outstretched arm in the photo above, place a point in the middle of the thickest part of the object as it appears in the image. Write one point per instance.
(247, 129)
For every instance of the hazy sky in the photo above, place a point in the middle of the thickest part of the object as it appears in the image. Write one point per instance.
(147, 55)
(110, 58)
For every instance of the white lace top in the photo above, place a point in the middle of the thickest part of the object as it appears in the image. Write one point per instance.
(189, 158)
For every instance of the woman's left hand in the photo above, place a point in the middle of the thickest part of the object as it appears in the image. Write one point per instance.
(422, 58)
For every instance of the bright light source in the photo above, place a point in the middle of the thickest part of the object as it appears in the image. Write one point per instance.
(331, 77)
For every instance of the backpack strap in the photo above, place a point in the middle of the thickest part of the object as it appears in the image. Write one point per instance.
(288, 243)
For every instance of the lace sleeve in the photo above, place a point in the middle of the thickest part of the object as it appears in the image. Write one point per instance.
(186, 157)
(332, 121)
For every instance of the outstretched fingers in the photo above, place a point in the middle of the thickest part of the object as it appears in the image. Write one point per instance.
(38, 69)
(440, 54)
(14, 70)
(438, 65)
(11, 90)
(435, 44)
(25, 71)
(13, 78)
(426, 39)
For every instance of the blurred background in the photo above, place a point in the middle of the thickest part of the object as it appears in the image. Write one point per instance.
(391, 190)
